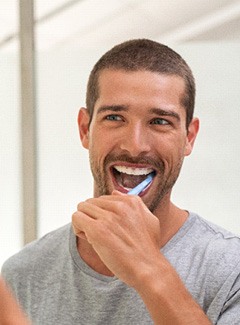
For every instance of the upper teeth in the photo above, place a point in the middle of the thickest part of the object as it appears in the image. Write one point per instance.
(133, 171)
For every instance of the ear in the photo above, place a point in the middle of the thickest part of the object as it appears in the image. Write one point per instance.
(191, 136)
(83, 124)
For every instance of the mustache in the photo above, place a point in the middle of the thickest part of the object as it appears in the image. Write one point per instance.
(141, 159)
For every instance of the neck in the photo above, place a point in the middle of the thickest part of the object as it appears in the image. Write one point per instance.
(91, 258)
(171, 220)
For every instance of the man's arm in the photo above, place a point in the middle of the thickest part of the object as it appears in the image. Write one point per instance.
(10, 311)
(126, 236)
(166, 297)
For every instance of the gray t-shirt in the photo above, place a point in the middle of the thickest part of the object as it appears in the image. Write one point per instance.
(55, 286)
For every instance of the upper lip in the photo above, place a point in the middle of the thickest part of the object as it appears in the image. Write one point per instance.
(133, 165)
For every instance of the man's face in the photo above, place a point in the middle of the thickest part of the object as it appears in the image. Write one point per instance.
(138, 126)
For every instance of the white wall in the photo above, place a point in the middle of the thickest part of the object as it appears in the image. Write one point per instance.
(210, 180)
(10, 190)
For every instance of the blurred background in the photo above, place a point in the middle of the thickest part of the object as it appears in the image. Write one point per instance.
(47, 49)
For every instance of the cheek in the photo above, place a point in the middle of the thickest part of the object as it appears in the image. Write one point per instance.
(102, 141)
(98, 147)
(172, 151)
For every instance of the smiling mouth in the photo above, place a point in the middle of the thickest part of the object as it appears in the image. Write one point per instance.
(128, 177)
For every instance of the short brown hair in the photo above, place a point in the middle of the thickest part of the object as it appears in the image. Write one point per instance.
(143, 54)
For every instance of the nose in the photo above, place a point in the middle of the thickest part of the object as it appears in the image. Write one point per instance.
(135, 140)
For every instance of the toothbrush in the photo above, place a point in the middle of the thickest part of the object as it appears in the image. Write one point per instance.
(140, 187)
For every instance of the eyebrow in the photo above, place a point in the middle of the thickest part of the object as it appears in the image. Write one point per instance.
(113, 108)
(157, 111)
(165, 112)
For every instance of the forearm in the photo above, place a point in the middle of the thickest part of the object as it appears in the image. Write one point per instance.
(166, 297)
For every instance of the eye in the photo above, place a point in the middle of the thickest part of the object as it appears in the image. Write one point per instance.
(113, 117)
(159, 121)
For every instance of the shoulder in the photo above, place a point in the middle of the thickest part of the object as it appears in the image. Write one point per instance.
(38, 251)
(215, 234)
(219, 246)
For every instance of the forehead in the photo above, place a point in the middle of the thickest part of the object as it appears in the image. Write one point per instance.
(146, 87)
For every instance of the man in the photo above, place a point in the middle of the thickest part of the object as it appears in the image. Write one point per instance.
(134, 259)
